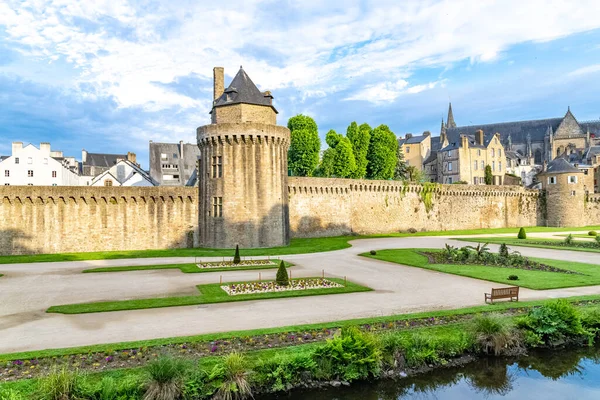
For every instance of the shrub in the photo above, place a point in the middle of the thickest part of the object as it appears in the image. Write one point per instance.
(598, 240)
(433, 347)
(569, 240)
(282, 278)
(522, 234)
(503, 252)
(350, 356)
(412, 230)
(198, 385)
(60, 384)
(513, 278)
(592, 233)
(283, 371)
(494, 335)
(233, 375)
(165, 380)
(590, 319)
(236, 257)
(553, 323)
(373, 252)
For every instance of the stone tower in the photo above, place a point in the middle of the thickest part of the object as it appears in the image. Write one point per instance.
(243, 169)
(565, 194)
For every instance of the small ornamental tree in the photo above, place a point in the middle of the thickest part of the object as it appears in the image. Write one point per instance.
(489, 178)
(282, 278)
(503, 251)
(236, 257)
(522, 234)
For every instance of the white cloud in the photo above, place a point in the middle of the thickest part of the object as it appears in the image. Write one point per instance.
(590, 69)
(387, 92)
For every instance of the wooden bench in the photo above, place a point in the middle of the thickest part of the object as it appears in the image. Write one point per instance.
(511, 293)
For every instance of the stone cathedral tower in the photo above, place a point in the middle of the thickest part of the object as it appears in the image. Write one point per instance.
(243, 168)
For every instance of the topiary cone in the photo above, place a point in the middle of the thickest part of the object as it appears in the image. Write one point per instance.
(236, 257)
(522, 234)
(282, 278)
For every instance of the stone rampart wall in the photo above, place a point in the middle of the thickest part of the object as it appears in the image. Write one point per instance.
(592, 209)
(42, 219)
(326, 207)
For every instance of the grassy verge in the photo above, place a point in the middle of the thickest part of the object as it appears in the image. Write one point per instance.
(297, 246)
(209, 294)
(539, 280)
(109, 347)
(539, 243)
(185, 268)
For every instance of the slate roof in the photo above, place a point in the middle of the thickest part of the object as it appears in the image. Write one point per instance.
(592, 151)
(436, 143)
(560, 166)
(517, 130)
(432, 157)
(103, 160)
(412, 140)
(243, 90)
(472, 143)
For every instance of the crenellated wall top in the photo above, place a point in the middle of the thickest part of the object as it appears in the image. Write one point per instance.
(243, 133)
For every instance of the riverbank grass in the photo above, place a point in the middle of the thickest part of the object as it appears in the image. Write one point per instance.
(209, 294)
(588, 274)
(297, 246)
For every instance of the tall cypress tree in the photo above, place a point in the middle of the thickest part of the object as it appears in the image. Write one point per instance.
(382, 155)
(360, 137)
(305, 145)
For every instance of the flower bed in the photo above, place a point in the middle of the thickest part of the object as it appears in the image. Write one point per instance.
(137, 357)
(230, 264)
(271, 286)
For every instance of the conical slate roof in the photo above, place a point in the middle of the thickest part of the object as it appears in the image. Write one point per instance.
(243, 90)
(560, 166)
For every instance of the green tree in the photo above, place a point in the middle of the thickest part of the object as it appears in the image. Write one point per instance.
(522, 234)
(489, 178)
(360, 137)
(282, 278)
(414, 174)
(402, 170)
(325, 169)
(305, 145)
(344, 164)
(382, 157)
(236, 257)
(332, 138)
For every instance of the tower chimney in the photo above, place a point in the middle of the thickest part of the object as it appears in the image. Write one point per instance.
(219, 82)
(479, 136)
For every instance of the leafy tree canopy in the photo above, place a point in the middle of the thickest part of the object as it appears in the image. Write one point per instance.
(382, 155)
(305, 145)
(359, 137)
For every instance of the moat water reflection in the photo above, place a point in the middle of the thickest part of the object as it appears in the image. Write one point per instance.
(563, 374)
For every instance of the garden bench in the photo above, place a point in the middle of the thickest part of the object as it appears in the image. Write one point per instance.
(511, 293)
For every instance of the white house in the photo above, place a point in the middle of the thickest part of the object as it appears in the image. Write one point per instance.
(29, 165)
(124, 173)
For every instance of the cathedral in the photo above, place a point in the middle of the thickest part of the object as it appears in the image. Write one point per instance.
(540, 141)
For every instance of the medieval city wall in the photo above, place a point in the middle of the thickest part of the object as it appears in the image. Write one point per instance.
(42, 219)
(327, 207)
(592, 209)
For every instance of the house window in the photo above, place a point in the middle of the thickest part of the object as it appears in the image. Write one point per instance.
(475, 181)
(552, 180)
(29, 160)
(585, 171)
(482, 165)
(499, 152)
(500, 166)
(54, 174)
(450, 179)
(407, 149)
(30, 173)
(163, 156)
(6, 173)
(572, 193)
(449, 166)
(108, 182)
(572, 179)
(217, 166)
(175, 156)
(479, 152)
(493, 165)
(475, 164)
(217, 206)
(493, 152)
(16, 160)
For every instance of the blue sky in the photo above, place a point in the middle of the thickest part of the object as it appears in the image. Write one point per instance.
(110, 75)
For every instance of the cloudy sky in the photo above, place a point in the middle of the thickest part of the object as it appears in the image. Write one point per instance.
(110, 75)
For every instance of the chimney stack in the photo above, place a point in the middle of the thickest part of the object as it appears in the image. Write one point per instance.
(479, 137)
(408, 135)
(219, 82)
(83, 156)
(131, 157)
(16, 147)
(45, 147)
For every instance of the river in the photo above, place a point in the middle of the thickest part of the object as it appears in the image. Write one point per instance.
(543, 375)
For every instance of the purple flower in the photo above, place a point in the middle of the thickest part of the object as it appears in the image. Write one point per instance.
(109, 359)
(18, 362)
(213, 349)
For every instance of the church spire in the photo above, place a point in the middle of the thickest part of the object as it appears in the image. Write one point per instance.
(450, 123)
(443, 128)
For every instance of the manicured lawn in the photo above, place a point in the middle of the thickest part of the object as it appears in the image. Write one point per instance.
(209, 294)
(534, 242)
(297, 246)
(578, 235)
(538, 280)
(185, 268)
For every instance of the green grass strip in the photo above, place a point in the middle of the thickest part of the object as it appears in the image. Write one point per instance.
(297, 246)
(209, 294)
(533, 242)
(185, 268)
(538, 280)
(500, 306)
